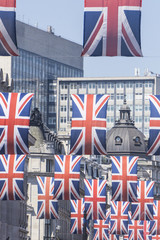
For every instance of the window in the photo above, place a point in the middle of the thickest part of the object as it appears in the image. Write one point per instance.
(92, 85)
(110, 85)
(129, 85)
(138, 119)
(52, 109)
(118, 140)
(120, 85)
(63, 108)
(111, 96)
(82, 85)
(146, 119)
(63, 119)
(138, 85)
(52, 98)
(146, 131)
(110, 119)
(110, 108)
(63, 86)
(52, 87)
(63, 97)
(138, 107)
(101, 85)
(62, 129)
(147, 108)
(148, 84)
(119, 96)
(73, 86)
(137, 141)
(49, 163)
(51, 120)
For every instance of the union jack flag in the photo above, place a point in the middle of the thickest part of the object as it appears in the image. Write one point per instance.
(8, 42)
(155, 224)
(95, 199)
(146, 230)
(125, 237)
(12, 177)
(124, 178)
(143, 209)
(101, 230)
(47, 207)
(108, 215)
(77, 216)
(67, 177)
(88, 132)
(112, 28)
(135, 229)
(14, 122)
(119, 217)
(114, 237)
(156, 237)
(154, 129)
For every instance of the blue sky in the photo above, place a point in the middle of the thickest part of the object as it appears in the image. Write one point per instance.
(66, 18)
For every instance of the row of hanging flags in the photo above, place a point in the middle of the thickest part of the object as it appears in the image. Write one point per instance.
(132, 201)
(14, 129)
(111, 28)
(133, 212)
(88, 130)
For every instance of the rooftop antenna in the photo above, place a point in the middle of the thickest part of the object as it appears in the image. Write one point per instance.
(36, 24)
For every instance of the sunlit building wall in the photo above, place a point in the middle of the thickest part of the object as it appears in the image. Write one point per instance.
(136, 89)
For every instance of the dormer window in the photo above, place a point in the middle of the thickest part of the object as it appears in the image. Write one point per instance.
(137, 140)
(118, 140)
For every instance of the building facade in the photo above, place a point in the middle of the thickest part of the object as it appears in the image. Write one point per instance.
(136, 89)
(41, 163)
(43, 57)
(13, 218)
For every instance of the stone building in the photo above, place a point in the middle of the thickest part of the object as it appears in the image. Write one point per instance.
(13, 221)
(125, 139)
(137, 90)
(41, 163)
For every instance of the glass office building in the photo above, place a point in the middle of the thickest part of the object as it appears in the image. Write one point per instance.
(34, 73)
(43, 57)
